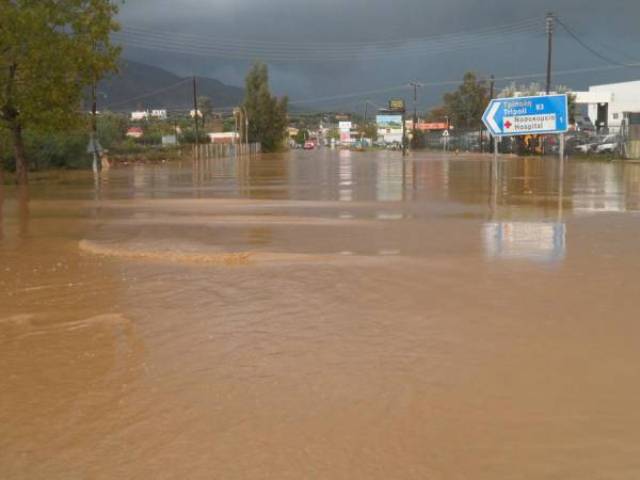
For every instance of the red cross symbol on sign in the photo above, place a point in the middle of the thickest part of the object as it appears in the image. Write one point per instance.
(508, 124)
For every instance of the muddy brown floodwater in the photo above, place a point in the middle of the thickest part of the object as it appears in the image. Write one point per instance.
(323, 315)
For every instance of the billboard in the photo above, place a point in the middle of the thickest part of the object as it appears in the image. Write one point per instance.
(390, 128)
(389, 121)
(345, 126)
(397, 104)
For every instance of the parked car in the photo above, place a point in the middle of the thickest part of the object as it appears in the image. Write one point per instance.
(586, 147)
(609, 145)
(309, 145)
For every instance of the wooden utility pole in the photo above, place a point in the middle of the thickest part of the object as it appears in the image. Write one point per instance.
(415, 86)
(492, 87)
(95, 148)
(550, 22)
(195, 114)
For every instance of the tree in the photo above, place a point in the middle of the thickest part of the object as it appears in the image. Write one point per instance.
(333, 134)
(267, 114)
(466, 105)
(371, 131)
(50, 50)
(206, 108)
(437, 114)
(302, 136)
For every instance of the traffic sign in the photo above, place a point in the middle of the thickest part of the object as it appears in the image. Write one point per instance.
(527, 115)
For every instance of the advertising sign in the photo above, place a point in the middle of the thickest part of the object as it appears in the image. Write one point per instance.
(389, 121)
(397, 104)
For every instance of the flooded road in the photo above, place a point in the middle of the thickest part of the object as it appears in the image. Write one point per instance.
(328, 315)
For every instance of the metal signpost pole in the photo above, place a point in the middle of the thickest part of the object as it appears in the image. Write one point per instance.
(509, 117)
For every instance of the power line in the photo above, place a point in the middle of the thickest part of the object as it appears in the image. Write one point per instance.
(313, 47)
(149, 94)
(586, 46)
(308, 53)
(509, 78)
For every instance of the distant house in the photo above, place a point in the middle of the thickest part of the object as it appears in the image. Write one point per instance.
(135, 132)
(159, 114)
(192, 113)
(139, 115)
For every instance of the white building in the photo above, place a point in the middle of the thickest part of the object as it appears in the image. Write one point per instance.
(192, 113)
(159, 114)
(620, 97)
(139, 115)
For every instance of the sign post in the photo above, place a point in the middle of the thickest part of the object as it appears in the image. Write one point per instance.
(397, 105)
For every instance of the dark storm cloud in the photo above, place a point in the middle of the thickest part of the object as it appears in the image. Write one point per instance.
(611, 26)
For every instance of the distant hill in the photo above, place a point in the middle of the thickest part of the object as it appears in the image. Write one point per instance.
(141, 86)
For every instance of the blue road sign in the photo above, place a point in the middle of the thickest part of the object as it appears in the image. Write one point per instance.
(527, 115)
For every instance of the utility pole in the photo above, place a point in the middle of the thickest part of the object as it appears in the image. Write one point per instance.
(195, 114)
(550, 23)
(492, 87)
(97, 163)
(246, 126)
(415, 86)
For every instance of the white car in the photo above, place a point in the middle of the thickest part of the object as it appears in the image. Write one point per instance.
(608, 145)
(586, 147)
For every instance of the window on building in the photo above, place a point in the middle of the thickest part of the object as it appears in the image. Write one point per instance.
(616, 116)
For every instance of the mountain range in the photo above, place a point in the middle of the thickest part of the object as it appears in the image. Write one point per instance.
(140, 86)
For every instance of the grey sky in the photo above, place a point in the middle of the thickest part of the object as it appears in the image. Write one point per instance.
(503, 37)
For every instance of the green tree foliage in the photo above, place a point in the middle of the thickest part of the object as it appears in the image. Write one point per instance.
(302, 136)
(370, 131)
(334, 134)
(466, 105)
(267, 114)
(49, 51)
(206, 108)
(437, 114)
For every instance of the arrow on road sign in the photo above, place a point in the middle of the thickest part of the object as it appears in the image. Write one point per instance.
(491, 117)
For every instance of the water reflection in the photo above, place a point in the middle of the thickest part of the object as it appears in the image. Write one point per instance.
(529, 240)
(521, 239)
(24, 213)
(1, 206)
(345, 176)
(391, 179)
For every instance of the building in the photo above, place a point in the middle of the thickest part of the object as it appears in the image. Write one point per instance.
(609, 103)
(159, 114)
(139, 115)
(192, 113)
